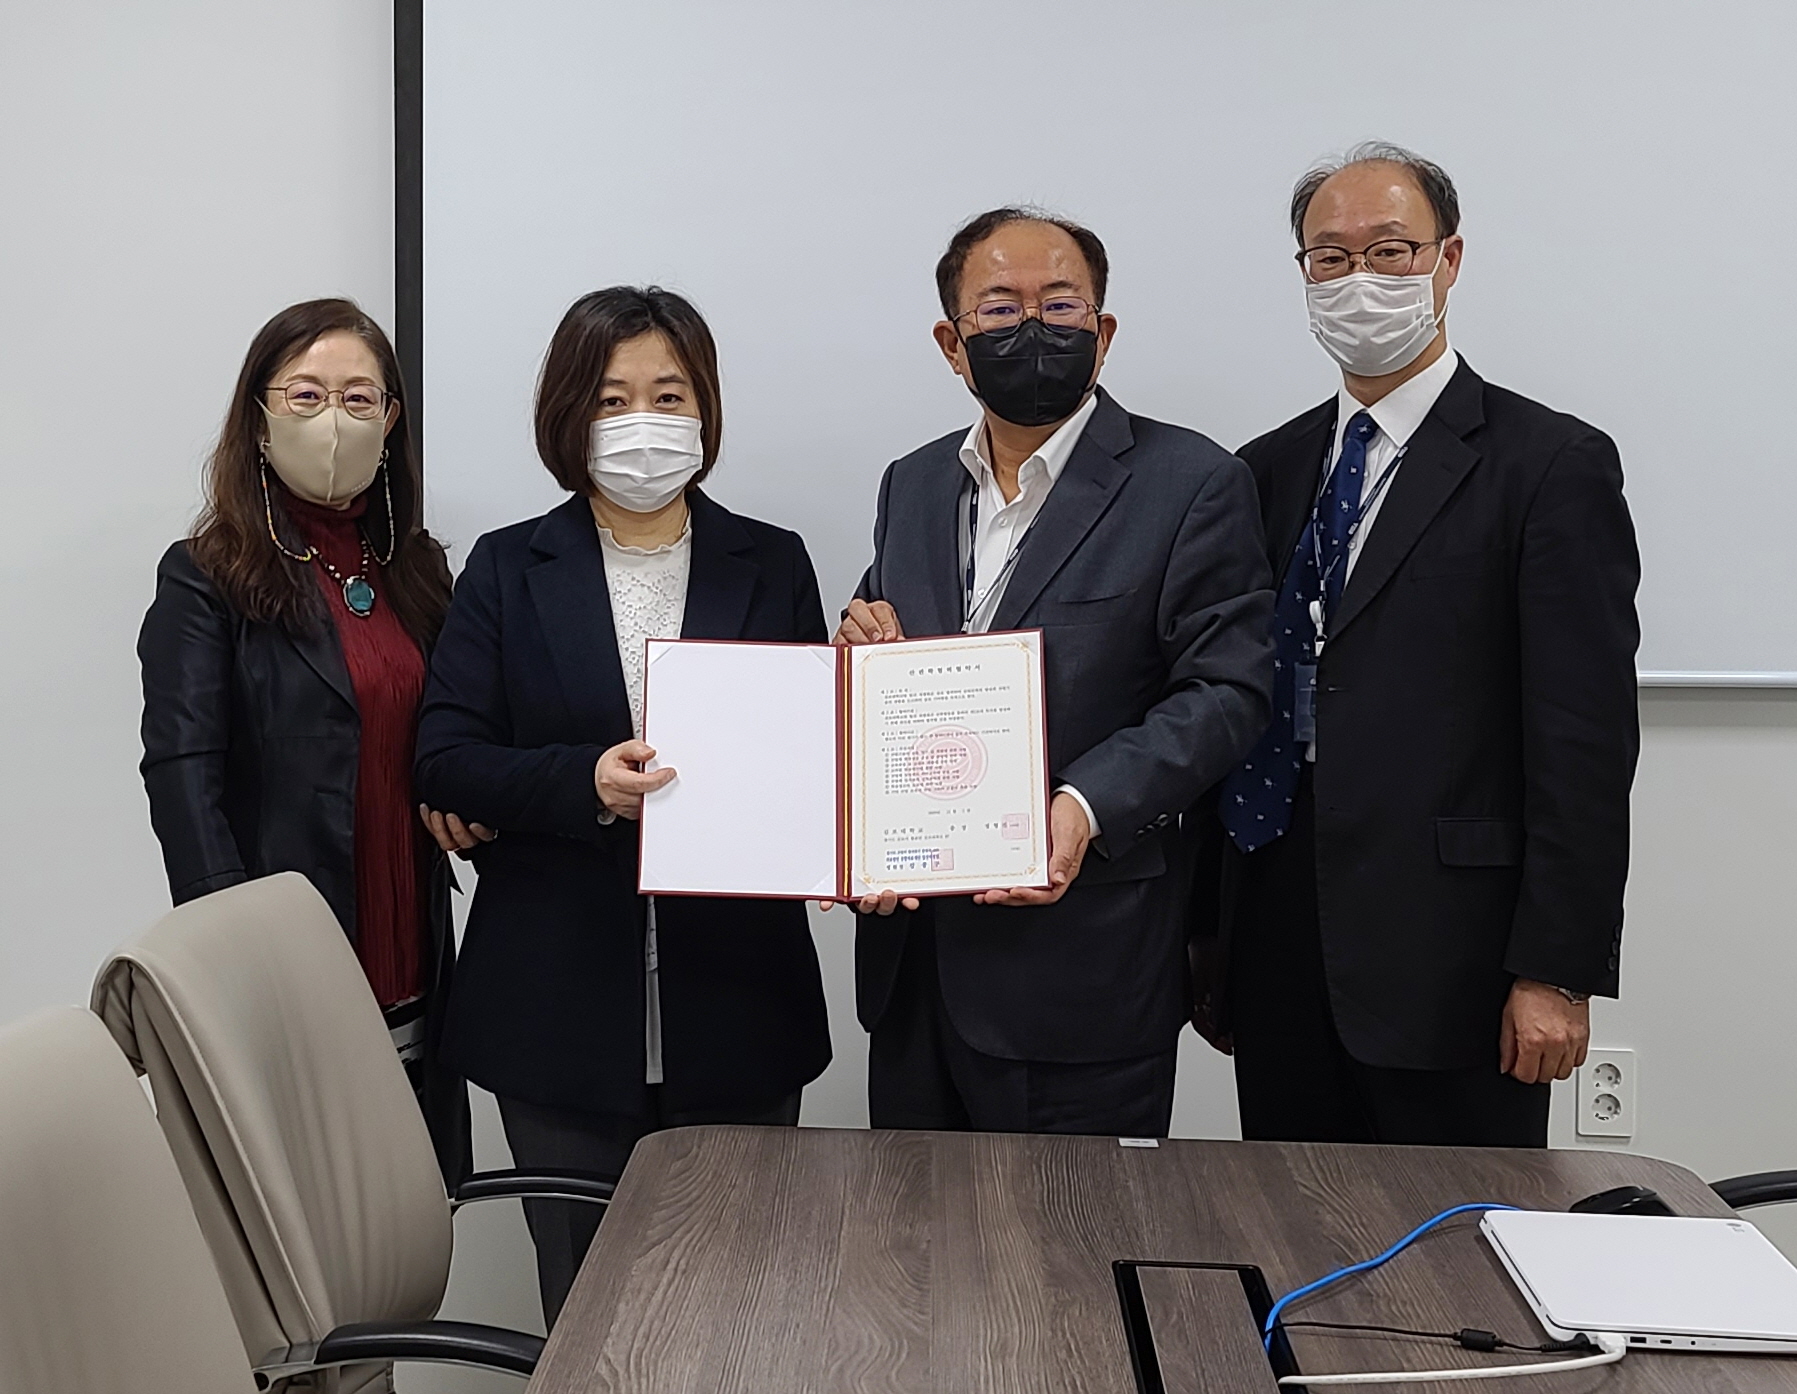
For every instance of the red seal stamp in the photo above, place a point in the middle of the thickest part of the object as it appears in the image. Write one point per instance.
(947, 762)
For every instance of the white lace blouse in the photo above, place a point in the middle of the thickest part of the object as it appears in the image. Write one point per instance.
(648, 601)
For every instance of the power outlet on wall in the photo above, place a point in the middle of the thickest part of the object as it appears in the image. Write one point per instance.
(1607, 1094)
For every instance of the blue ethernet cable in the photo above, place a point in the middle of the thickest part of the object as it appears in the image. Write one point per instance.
(1368, 1265)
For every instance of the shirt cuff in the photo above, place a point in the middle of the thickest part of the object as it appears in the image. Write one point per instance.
(1080, 799)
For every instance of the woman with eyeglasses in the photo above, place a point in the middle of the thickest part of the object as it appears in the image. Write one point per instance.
(283, 663)
(595, 1014)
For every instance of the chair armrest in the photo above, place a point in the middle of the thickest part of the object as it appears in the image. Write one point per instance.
(418, 1342)
(1760, 1188)
(537, 1185)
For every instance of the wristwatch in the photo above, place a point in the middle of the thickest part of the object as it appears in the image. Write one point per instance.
(1573, 997)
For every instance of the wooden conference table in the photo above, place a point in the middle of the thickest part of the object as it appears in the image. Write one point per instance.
(783, 1261)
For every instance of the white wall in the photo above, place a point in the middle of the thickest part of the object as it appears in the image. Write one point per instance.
(1709, 957)
(173, 175)
(147, 234)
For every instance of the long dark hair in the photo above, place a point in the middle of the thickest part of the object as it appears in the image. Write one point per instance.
(230, 540)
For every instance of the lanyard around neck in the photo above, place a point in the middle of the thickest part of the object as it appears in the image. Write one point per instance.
(1368, 498)
(973, 546)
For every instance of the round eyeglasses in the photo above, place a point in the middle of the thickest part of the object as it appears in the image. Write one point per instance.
(1390, 256)
(304, 397)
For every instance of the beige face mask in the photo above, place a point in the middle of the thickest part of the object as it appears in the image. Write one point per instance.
(328, 458)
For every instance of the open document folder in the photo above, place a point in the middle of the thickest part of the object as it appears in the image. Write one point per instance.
(830, 773)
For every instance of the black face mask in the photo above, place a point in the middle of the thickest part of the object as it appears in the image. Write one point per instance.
(1033, 374)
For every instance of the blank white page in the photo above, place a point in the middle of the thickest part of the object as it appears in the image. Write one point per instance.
(751, 731)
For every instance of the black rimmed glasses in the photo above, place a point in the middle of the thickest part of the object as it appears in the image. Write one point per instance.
(1003, 316)
(304, 397)
(1389, 256)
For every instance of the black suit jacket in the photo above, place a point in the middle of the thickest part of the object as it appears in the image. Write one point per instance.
(1146, 572)
(1476, 721)
(526, 692)
(251, 738)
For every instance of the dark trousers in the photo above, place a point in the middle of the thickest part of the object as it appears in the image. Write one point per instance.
(557, 1139)
(921, 1074)
(1295, 1080)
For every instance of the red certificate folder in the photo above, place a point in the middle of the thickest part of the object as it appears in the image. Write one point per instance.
(821, 772)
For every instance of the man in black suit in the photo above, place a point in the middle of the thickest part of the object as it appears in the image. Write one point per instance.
(1135, 547)
(1422, 884)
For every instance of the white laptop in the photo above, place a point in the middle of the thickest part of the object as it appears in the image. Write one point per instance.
(1660, 1282)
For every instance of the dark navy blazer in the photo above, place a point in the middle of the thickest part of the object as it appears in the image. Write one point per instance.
(526, 692)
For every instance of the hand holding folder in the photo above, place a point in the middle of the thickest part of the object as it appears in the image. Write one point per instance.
(832, 773)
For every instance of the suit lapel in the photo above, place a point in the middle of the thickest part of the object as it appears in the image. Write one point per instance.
(722, 580)
(936, 534)
(323, 652)
(1079, 498)
(1435, 462)
(567, 586)
(1293, 488)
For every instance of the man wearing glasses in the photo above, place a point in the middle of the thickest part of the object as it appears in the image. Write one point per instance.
(1422, 883)
(1135, 547)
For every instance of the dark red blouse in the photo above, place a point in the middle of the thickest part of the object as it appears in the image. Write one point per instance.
(386, 669)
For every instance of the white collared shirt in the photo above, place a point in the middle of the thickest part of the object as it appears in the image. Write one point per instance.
(1397, 415)
(1001, 526)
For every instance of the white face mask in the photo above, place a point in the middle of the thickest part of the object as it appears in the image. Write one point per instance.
(641, 461)
(1373, 324)
(328, 458)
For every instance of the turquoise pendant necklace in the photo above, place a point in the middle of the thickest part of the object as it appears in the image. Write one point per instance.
(358, 590)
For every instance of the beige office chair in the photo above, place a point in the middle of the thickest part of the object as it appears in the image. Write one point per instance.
(292, 1123)
(106, 1283)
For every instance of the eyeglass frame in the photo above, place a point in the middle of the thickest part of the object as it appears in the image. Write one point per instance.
(387, 398)
(1026, 306)
(1415, 247)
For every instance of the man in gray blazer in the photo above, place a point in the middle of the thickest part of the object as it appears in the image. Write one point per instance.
(1136, 547)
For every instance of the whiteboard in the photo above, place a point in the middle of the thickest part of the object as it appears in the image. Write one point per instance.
(1625, 170)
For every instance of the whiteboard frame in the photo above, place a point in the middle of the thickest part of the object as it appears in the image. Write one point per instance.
(1777, 682)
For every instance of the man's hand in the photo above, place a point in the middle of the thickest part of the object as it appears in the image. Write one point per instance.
(865, 623)
(1069, 834)
(1544, 1037)
(621, 781)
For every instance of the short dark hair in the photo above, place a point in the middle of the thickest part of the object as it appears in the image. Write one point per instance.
(977, 230)
(1430, 177)
(571, 383)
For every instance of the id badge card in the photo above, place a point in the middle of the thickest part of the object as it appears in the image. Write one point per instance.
(1304, 703)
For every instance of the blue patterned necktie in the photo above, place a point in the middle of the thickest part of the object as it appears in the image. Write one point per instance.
(1255, 801)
